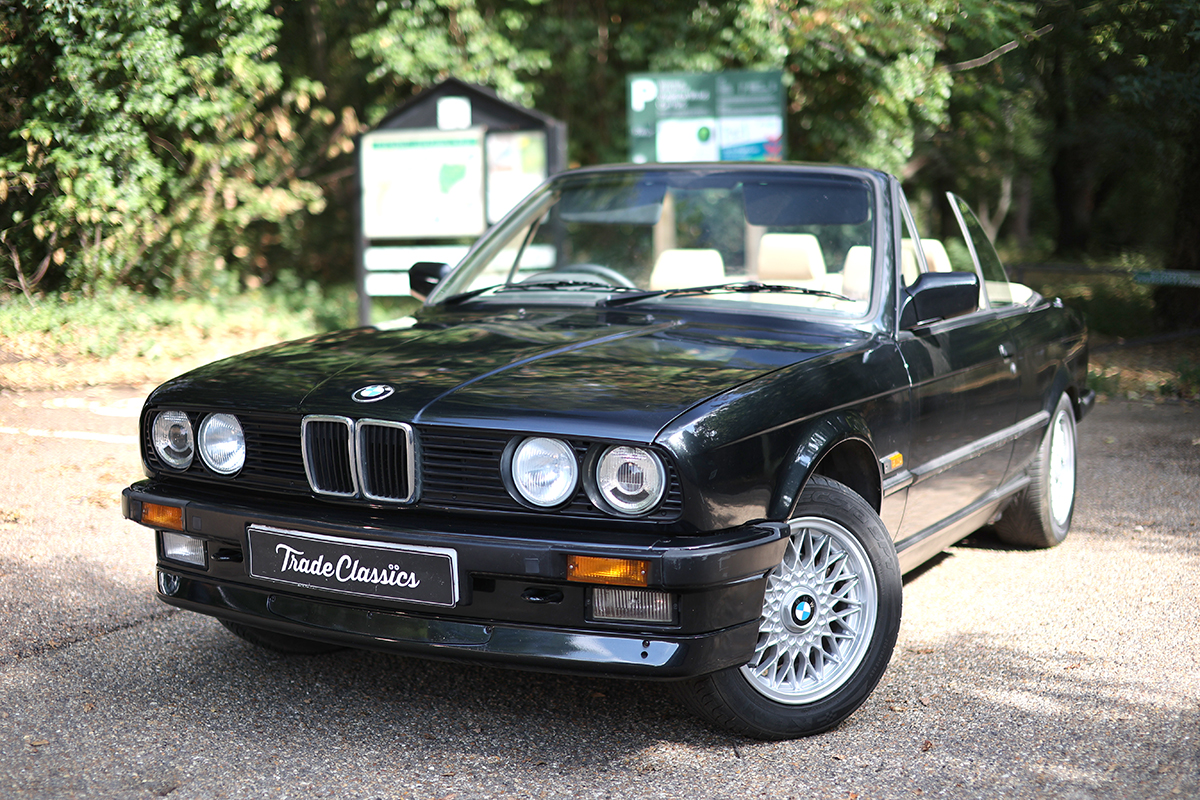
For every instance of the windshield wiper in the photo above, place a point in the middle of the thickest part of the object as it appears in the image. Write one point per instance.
(746, 287)
(534, 287)
(454, 299)
(538, 286)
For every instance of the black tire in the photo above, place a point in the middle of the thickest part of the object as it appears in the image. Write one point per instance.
(1040, 516)
(279, 642)
(830, 619)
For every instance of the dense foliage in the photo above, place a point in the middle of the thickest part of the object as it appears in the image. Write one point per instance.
(189, 144)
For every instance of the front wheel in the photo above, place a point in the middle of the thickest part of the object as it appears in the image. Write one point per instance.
(830, 617)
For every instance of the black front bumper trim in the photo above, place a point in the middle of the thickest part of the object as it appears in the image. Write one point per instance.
(542, 649)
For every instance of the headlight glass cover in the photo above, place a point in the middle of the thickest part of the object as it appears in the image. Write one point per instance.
(544, 471)
(173, 440)
(222, 443)
(630, 479)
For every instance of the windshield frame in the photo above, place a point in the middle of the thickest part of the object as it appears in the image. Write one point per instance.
(533, 210)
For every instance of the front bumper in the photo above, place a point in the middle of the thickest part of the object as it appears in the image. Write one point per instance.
(716, 583)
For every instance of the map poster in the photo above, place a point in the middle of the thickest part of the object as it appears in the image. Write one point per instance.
(727, 116)
(422, 184)
(516, 165)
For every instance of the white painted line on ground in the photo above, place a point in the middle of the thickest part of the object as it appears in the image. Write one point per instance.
(107, 438)
(128, 407)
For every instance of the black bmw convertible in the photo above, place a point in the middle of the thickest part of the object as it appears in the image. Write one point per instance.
(686, 422)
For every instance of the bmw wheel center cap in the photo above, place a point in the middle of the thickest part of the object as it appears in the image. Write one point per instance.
(372, 393)
(804, 609)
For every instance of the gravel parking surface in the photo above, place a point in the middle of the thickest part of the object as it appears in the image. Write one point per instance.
(1068, 673)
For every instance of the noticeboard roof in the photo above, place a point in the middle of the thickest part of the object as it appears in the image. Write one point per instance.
(487, 109)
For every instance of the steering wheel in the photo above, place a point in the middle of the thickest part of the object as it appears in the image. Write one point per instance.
(599, 270)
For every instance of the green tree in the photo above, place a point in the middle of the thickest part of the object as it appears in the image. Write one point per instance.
(179, 142)
(988, 145)
(1117, 84)
(1153, 49)
(146, 142)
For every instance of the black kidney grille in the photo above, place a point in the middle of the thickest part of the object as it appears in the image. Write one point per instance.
(385, 461)
(327, 458)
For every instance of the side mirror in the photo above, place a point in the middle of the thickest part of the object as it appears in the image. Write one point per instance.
(424, 276)
(939, 295)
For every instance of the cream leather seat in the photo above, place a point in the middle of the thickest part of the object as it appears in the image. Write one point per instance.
(792, 259)
(681, 267)
(936, 258)
(856, 273)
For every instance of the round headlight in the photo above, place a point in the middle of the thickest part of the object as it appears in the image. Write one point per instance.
(545, 471)
(172, 438)
(630, 479)
(222, 443)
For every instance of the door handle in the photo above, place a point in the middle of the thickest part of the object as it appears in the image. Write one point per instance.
(1007, 356)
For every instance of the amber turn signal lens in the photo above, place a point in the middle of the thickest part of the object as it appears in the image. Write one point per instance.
(162, 516)
(614, 571)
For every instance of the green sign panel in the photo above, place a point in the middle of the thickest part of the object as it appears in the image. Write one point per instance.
(728, 116)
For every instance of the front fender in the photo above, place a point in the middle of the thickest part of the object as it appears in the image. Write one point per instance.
(845, 438)
(743, 457)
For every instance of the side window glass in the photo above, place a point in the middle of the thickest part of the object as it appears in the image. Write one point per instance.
(995, 281)
(947, 254)
(912, 259)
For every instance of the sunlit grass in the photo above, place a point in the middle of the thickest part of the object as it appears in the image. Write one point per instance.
(124, 337)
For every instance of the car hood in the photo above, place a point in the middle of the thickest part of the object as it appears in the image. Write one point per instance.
(617, 375)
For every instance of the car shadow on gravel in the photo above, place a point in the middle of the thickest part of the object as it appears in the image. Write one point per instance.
(986, 538)
(484, 711)
(206, 714)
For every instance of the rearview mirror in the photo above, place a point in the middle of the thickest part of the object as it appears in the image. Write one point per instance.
(939, 295)
(424, 276)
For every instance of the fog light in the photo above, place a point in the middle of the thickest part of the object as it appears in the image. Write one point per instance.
(186, 549)
(631, 605)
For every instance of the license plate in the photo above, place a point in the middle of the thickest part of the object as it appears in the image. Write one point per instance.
(408, 573)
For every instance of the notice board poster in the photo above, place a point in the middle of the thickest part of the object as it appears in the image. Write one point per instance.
(422, 184)
(516, 165)
(728, 116)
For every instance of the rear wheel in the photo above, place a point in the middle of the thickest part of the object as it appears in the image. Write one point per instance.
(279, 642)
(1040, 516)
(831, 614)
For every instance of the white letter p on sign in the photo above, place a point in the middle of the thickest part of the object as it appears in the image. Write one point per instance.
(641, 92)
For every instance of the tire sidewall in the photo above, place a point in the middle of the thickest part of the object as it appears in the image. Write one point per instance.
(1064, 409)
(770, 719)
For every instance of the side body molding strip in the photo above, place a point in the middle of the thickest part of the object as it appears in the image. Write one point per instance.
(978, 448)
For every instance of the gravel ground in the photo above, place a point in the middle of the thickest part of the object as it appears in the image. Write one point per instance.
(1068, 673)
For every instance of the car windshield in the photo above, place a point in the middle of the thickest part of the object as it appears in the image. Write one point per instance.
(787, 238)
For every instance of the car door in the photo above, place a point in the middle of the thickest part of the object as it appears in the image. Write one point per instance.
(966, 388)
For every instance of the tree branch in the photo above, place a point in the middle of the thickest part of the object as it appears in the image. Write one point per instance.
(984, 60)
